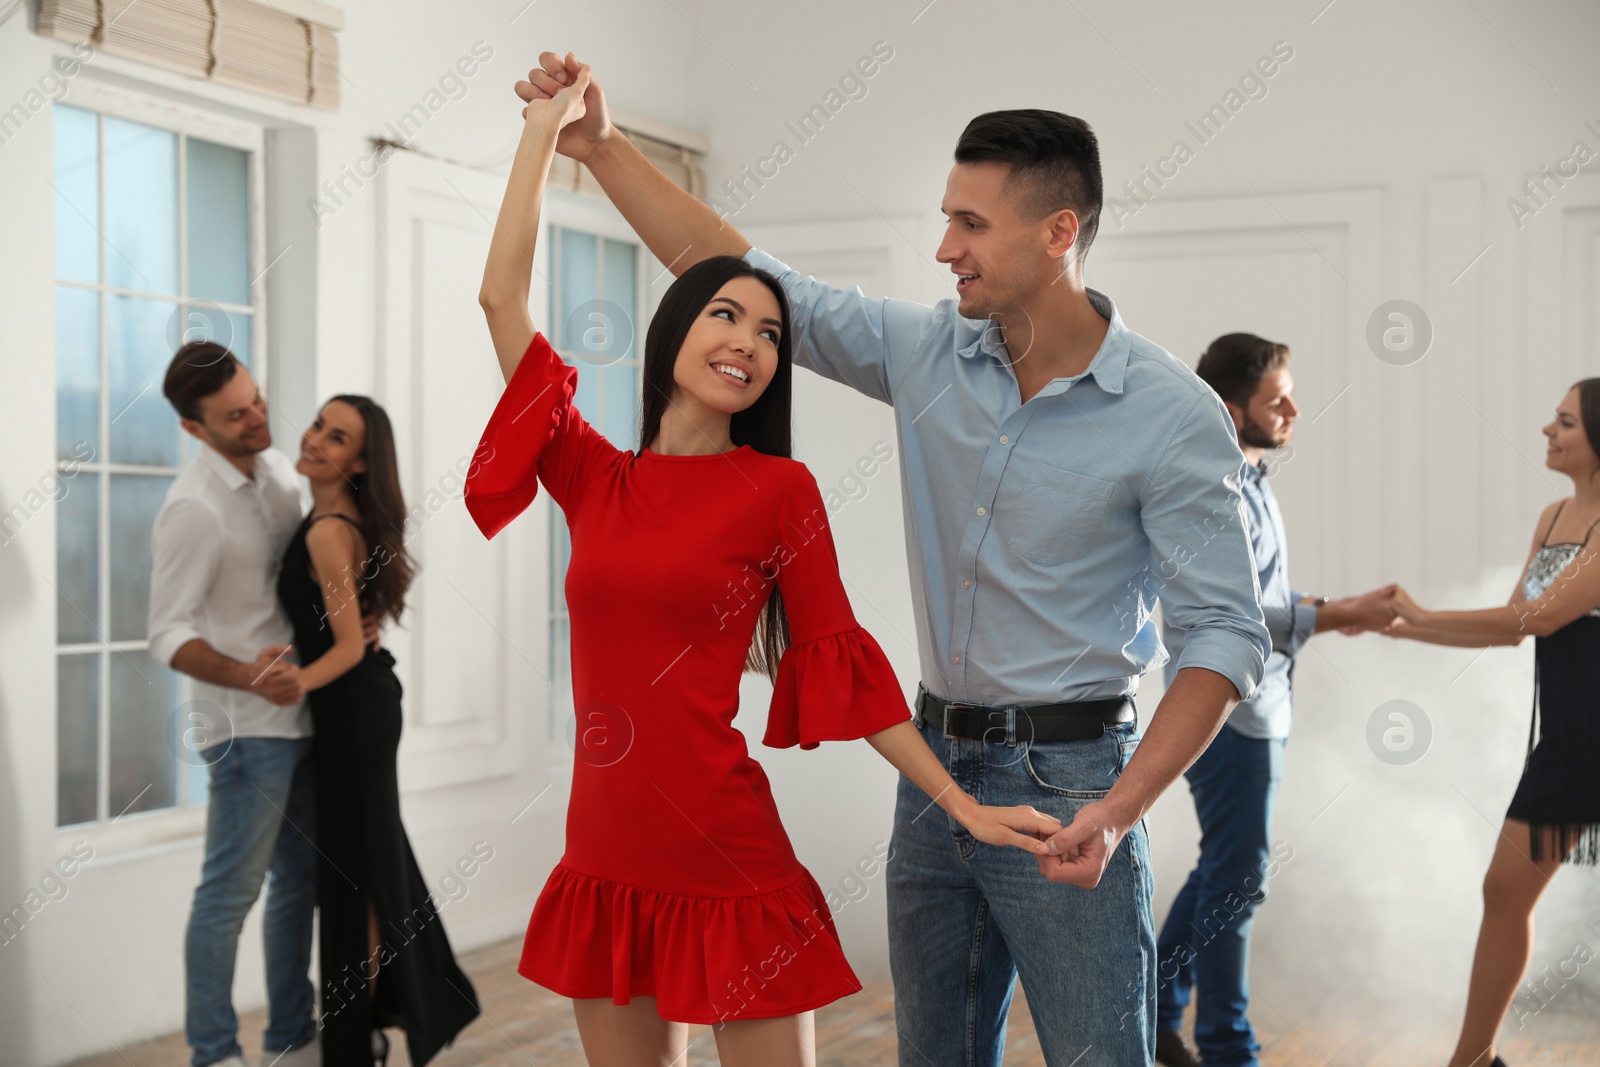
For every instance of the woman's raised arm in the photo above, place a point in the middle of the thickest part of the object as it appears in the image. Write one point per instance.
(507, 276)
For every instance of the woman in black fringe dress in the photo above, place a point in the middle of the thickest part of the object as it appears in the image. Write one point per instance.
(384, 957)
(1554, 817)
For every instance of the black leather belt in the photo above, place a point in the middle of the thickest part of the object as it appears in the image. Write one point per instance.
(1077, 720)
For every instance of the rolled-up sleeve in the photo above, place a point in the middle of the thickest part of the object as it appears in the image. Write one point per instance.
(184, 549)
(1290, 625)
(1193, 515)
(863, 342)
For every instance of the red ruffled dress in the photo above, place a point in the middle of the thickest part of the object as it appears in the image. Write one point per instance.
(678, 881)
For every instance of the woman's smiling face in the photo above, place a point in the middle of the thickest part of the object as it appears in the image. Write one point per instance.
(1569, 450)
(730, 354)
(334, 445)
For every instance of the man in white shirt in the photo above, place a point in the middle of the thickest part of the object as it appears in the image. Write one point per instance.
(213, 606)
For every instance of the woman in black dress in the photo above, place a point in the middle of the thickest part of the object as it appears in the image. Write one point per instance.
(384, 957)
(1554, 816)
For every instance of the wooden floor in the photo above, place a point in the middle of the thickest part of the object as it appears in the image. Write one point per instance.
(525, 1026)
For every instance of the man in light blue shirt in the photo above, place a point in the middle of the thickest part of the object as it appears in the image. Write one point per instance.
(1205, 941)
(1052, 458)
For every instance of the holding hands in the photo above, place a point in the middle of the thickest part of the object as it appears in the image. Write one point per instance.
(1078, 853)
(1389, 610)
(274, 676)
(1020, 827)
(566, 90)
(1373, 610)
(1406, 608)
(1352, 615)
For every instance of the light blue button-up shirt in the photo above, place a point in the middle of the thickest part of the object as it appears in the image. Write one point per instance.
(1267, 713)
(1036, 532)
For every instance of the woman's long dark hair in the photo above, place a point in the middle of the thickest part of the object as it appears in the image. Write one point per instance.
(1589, 412)
(765, 425)
(387, 572)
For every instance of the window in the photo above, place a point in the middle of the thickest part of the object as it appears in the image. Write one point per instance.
(596, 324)
(155, 239)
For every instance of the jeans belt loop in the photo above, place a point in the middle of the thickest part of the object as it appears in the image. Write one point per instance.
(1011, 726)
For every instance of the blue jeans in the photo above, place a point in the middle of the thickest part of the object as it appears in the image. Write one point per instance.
(967, 919)
(260, 817)
(1205, 942)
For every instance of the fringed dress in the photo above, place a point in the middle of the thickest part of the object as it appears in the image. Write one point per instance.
(678, 881)
(1559, 795)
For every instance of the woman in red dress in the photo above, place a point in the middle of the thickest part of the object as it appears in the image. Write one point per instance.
(706, 553)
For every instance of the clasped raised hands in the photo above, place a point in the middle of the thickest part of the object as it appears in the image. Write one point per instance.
(568, 88)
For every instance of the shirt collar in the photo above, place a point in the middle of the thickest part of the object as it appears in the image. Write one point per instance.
(219, 466)
(1110, 363)
(1256, 472)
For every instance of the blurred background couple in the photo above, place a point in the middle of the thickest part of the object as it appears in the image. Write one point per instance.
(274, 610)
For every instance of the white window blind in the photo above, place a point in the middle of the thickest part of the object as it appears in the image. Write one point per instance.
(282, 48)
(679, 162)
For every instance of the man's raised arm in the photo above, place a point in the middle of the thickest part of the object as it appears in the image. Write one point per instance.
(677, 228)
(841, 334)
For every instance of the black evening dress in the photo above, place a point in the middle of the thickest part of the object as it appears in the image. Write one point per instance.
(1559, 795)
(365, 856)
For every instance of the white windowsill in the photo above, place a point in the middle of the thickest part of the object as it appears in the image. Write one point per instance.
(137, 836)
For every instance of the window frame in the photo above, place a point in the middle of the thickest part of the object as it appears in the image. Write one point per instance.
(180, 824)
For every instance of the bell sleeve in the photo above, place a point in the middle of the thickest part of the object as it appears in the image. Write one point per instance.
(536, 434)
(834, 682)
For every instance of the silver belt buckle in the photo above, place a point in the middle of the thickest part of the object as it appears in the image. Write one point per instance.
(946, 717)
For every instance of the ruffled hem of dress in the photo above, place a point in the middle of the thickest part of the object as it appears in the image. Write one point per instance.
(705, 959)
(836, 688)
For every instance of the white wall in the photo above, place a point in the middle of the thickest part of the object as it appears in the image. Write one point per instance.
(1377, 166)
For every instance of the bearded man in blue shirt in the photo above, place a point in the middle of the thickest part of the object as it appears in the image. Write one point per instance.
(1205, 942)
(1052, 458)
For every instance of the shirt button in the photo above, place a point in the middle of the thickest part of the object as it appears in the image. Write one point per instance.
(956, 659)
(1004, 439)
(981, 511)
(966, 583)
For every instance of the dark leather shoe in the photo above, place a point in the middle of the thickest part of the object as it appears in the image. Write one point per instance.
(1173, 1051)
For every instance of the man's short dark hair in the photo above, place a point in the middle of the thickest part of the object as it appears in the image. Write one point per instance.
(1236, 362)
(1055, 163)
(199, 369)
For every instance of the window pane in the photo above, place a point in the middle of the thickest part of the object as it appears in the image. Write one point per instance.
(144, 772)
(577, 278)
(144, 428)
(141, 193)
(218, 187)
(560, 553)
(621, 422)
(77, 738)
(135, 499)
(78, 560)
(202, 320)
(199, 781)
(621, 310)
(77, 373)
(587, 395)
(77, 182)
(560, 629)
(561, 699)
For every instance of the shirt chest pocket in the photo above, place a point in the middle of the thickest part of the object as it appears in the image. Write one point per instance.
(1057, 515)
